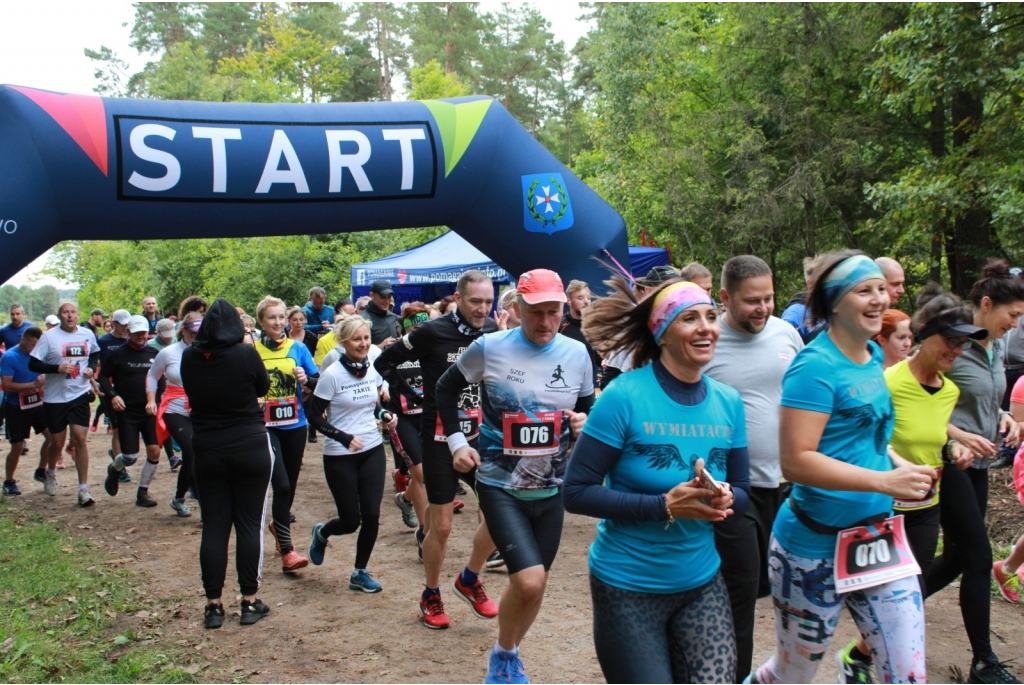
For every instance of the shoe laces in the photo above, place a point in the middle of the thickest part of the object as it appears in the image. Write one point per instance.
(998, 669)
(477, 588)
(434, 605)
(511, 667)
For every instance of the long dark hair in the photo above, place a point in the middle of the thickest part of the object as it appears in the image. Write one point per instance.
(618, 322)
(997, 284)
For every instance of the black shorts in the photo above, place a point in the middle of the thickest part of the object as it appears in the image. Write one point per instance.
(409, 433)
(19, 423)
(439, 474)
(526, 532)
(130, 425)
(110, 413)
(60, 415)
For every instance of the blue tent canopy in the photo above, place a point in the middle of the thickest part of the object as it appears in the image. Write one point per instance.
(429, 272)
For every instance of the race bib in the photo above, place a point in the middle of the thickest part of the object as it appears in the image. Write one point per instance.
(931, 499)
(408, 408)
(29, 399)
(469, 424)
(281, 412)
(75, 350)
(531, 434)
(867, 556)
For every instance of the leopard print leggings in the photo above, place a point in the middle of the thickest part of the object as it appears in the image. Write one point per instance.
(685, 637)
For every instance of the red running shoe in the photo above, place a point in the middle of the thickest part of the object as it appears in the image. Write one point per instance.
(474, 595)
(433, 613)
(92, 428)
(458, 505)
(401, 481)
(293, 561)
(273, 531)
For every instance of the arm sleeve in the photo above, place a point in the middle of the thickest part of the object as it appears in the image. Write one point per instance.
(39, 366)
(317, 406)
(398, 352)
(105, 375)
(449, 387)
(94, 361)
(583, 490)
(737, 474)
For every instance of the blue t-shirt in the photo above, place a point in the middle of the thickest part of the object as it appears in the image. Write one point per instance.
(280, 364)
(14, 363)
(823, 379)
(108, 343)
(661, 441)
(11, 336)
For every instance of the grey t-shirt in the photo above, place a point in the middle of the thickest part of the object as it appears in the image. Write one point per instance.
(1013, 347)
(755, 365)
(982, 384)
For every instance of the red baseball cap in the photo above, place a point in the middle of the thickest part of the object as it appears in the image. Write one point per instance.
(541, 285)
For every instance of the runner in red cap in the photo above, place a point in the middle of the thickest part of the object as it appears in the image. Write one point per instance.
(536, 388)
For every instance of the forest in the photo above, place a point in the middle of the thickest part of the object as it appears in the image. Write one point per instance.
(781, 130)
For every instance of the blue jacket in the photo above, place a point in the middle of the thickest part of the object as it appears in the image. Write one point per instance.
(314, 318)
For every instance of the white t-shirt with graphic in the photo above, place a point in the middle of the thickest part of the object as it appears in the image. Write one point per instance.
(352, 403)
(57, 346)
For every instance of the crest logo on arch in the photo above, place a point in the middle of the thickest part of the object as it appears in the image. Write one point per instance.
(546, 204)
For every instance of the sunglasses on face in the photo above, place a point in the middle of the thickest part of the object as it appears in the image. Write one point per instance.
(954, 343)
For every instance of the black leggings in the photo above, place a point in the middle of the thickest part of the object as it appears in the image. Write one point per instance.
(528, 532)
(100, 410)
(290, 445)
(180, 428)
(966, 550)
(357, 483)
(922, 527)
(408, 430)
(232, 475)
(684, 637)
(281, 506)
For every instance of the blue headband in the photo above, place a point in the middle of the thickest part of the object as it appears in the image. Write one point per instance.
(847, 275)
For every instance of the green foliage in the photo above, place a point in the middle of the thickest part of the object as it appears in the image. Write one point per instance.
(430, 82)
(37, 303)
(65, 613)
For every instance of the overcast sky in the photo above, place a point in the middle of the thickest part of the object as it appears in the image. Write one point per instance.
(42, 43)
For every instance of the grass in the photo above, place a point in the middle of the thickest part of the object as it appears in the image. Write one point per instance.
(66, 616)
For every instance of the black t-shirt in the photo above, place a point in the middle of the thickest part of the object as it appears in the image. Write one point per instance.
(437, 344)
(573, 328)
(124, 375)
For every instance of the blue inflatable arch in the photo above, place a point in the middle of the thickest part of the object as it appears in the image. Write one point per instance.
(77, 167)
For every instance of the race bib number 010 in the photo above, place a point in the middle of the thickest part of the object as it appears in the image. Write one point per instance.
(469, 424)
(29, 399)
(531, 434)
(867, 556)
(281, 412)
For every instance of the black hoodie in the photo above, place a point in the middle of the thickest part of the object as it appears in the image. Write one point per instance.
(222, 376)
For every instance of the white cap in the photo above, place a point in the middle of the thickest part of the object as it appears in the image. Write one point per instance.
(122, 316)
(52, 320)
(138, 324)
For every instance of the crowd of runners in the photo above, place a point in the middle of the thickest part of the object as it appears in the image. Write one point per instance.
(726, 454)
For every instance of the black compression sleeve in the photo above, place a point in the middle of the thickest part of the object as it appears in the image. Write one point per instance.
(584, 404)
(39, 366)
(311, 381)
(737, 474)
(449, 387)
(94, 361)
(315, 416)
(608, 374)
(583, 490)
(387, 366)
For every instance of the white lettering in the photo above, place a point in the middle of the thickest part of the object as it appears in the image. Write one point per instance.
(405, 136)
(272, 174)
(217, 137)
(166, 159)
(354, 162)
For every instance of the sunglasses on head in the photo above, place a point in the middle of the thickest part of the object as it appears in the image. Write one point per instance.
(193, 324)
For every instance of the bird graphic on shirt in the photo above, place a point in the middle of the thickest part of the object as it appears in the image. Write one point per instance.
(864, 415)
(662, 456)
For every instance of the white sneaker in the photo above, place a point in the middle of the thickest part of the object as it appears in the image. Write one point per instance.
(84, 498)
(50, 485)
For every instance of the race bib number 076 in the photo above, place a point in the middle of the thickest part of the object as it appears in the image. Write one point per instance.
(531, 434)
(867, 556)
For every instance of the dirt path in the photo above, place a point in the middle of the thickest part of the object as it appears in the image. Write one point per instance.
(319, 631)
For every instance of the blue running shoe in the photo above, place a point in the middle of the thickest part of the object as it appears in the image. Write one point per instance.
(123, 476)
(318, 546)
(361, 580)
(505, 668)
(175, 463)
(11, 489)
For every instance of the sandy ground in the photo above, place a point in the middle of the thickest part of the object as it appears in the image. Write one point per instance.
(320, 631)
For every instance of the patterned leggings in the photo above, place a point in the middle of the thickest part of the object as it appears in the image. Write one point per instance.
(685, 637)
(807, 608)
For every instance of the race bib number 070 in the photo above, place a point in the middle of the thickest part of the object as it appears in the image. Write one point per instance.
(867, 556)
(531, 434)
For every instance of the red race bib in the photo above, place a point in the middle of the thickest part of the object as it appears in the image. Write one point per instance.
(531, 434)
(408, 408)
(930, 499)
(281, 412)
(469, 424)
(29, 399)
(867, 556)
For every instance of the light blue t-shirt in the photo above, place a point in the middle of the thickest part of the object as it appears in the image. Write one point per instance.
(661, 441)
(823, 379)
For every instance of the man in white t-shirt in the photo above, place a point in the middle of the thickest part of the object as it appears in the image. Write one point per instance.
(68, 354)
(754, 351)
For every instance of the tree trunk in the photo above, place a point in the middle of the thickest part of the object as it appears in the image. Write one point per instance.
(810, 227)
(386, 91)
(449, 45)
(937, 142)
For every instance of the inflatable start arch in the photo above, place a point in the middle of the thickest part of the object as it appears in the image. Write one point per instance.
(78, 167)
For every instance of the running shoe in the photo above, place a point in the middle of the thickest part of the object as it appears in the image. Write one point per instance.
(401, 481)
(291, 518)
(253, 611)
(110, 431)
(457, 505)
(92, 428)
(213, 615)
(24, 450)
(123, 476)
(495, 560)
(420, 536)
(362, 580)
(112, 482)
(990, 672)
(432, 610)
(505, 668)
(293, 561)
(852, 670)
(273, 531)
(11, 489)
(318, 546)
(50, 486)
(39, 476)
(1009, 583)
(175, 463)
(60, 463)
(70, 449)
(184, 511)
(474, 595)
(409, 517)
(142, 499)
(459, 489)
(84, 498)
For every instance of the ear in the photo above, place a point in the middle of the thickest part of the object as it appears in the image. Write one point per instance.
(723, 296)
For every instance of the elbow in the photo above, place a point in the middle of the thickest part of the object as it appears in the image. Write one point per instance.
(571, 497)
